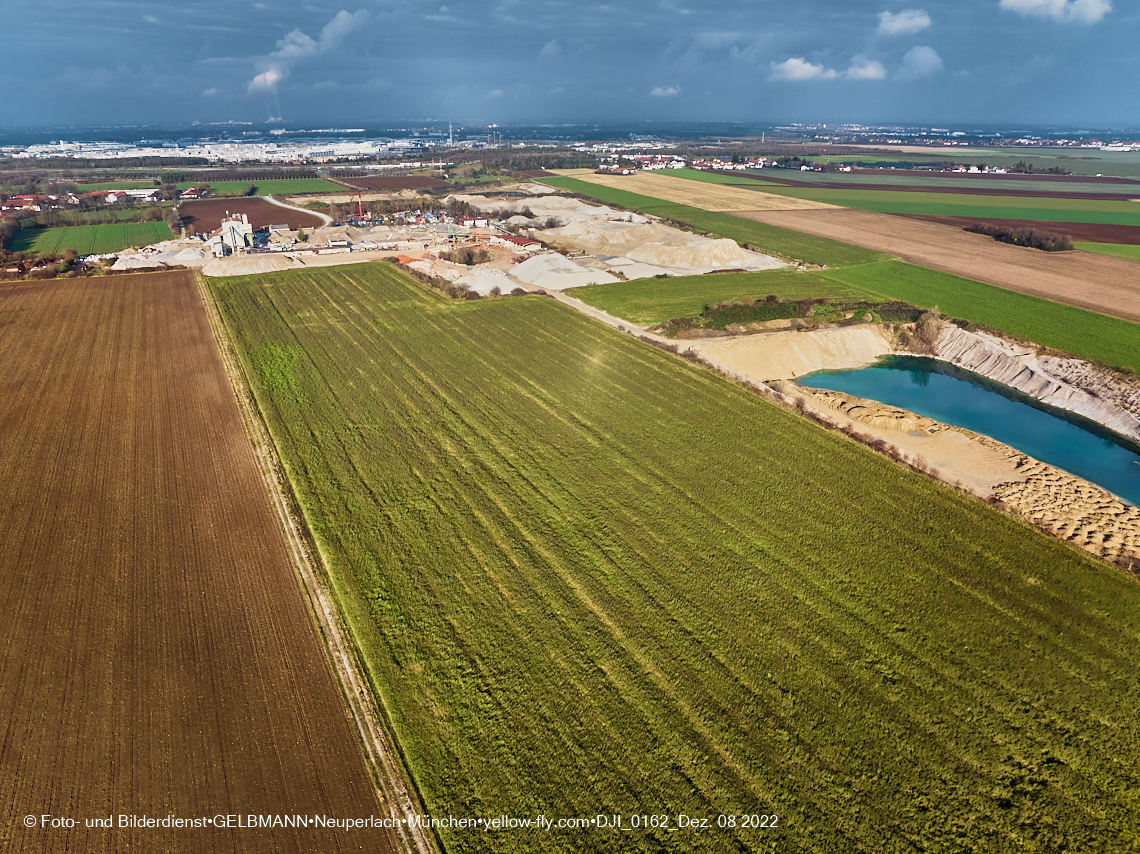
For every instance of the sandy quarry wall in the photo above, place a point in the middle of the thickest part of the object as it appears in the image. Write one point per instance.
(787, 355)
(1021, 369)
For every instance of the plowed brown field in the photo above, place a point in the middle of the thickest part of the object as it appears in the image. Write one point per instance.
(156, 654)
(1096, 282)
(1093, 232)
(206, 214)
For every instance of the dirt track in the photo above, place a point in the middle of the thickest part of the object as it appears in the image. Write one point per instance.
(1096, 282)
(156, 655)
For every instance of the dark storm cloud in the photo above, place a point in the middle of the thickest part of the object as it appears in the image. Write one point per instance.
(127, 61)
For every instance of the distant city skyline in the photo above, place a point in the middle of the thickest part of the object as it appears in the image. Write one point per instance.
(1047, 62)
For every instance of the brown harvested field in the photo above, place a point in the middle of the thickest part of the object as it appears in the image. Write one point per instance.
(1093, 232)
(158, 657)
(1097, 282)
(684, 191)
(206, 214)
(395, 182)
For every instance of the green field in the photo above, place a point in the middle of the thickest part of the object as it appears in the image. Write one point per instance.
(91, 239)
(117, 185)
(717, 177)
(1084, 334)
(945, 204)
(782, 242)
(647, 301)
(272, 187)
(1120, 250)
(586, 577)
(935, 180)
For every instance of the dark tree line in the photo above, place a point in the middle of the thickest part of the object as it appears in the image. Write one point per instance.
(1034, 238)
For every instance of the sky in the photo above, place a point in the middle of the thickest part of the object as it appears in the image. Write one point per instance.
(922, 62)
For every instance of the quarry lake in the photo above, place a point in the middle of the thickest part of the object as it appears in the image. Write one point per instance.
(948, 394)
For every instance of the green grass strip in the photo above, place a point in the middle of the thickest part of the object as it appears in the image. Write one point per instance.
(648, 301)
(1120, 250)
(1082, 333)
(781, 242)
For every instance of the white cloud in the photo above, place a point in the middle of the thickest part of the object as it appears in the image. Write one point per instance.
(267, 81)
(213, 90)
(297, 46)
(550, 50)
(494, 93)
(798, 68)
(920, 61)
(1081, 11)
(903, 23)
(863, 69)
(663, 92)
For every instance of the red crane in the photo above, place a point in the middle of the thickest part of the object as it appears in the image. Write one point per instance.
(359, 206)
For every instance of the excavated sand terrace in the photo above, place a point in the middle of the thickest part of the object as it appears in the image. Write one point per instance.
(1071, 508)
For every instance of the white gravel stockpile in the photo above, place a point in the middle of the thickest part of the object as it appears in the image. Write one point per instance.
(555, 273)
(244, 265)
(485, 281)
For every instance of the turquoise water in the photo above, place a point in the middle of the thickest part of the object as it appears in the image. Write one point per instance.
(953, 396)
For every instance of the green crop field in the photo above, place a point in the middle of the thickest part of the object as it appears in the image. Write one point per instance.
(91, 239)
(272, 187)
(933, 180)
(1085, 334)
(782, 242)
(943, 204)
(1120, 250)
(716, 177)
(117, 185)
(646, 301)
(588, 578)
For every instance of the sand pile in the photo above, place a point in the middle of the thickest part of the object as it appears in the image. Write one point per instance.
(786, 355)
(244, 265)
(439, 269)
(700, 253)
(555, 273)
(603, 237)
(141, 262)
(483, 282)
(190, 254)
(634, 269)
(561, 208)
(336, 232)
(1071, 508)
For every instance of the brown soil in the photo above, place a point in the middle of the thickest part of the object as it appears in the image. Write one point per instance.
(1092, 232)
(1096, 282)
(538, 173)
(395, 182)
(206, 215)
(158, 656)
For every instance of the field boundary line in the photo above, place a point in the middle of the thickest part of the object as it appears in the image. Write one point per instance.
(389, 774)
